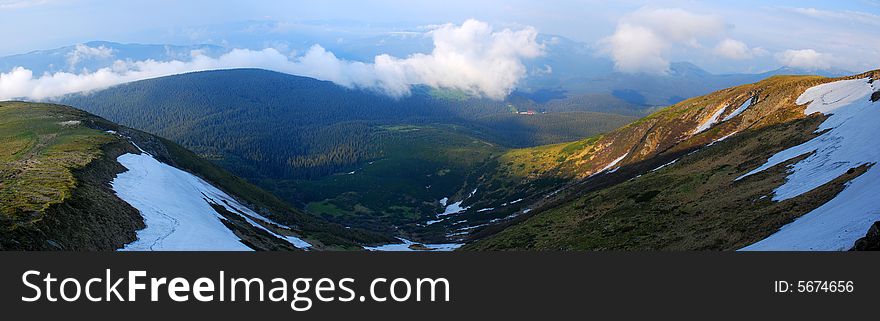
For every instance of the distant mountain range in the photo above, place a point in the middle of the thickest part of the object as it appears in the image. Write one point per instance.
(569, 69)
(578, 158)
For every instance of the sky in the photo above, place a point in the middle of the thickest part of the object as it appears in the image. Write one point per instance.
(638, 36)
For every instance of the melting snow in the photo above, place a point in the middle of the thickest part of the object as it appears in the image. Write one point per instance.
(511, 203)
(851, 141)
(455, 208)
(722, 139)
(664, 165)
(609, 166)
(405, 246)
(739, 110)
(709, 122)
(175, 210)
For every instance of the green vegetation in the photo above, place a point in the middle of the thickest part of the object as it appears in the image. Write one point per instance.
(40, 147)
(297, 137)
(54, 172)
(55, 169)
(418, 166)
(694, 204)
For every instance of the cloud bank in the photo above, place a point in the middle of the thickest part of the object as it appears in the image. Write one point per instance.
(83, 52)
(472, 57)
(805, 58)
(642, 39)
(737, 50)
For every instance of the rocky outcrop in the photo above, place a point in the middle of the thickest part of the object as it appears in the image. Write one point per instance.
(871, 241)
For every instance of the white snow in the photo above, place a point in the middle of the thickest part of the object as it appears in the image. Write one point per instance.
(405, 246)
(455, 208)
(709, 122)
(176, 211)
(433, 222)
(512, 202)
(609, 166)
(485, 209)
(664, 165)
(739, 110)
(851, 141)
(722, 138)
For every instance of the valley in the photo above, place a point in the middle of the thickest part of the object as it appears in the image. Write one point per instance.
(441, 168)
(356, 158)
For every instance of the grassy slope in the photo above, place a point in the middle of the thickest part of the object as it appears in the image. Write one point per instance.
(38, 153)
(666, 132)
(694, 204)
(54, 171)
(55, 166)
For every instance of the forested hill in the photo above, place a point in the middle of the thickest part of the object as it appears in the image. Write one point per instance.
(295, 126)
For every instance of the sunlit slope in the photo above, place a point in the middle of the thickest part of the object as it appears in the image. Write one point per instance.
(608, 193)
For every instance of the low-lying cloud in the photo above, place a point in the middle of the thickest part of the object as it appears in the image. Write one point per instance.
(83, 52)
(642, 38)
(805, 58)
(471, 57)
(737, 50)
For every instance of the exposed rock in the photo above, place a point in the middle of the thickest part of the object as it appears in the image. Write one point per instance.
(871, 241)
(875, 96)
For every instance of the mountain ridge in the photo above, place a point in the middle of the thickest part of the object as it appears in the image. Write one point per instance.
(663, 140)
(78, 209)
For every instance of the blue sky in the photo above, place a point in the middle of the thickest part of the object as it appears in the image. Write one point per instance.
(741, 36)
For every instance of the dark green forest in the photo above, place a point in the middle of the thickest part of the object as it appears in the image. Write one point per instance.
(299, 137)
(263, 123)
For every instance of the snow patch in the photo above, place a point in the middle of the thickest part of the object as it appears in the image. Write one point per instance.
(664, 165)
(849, 141)
(722, 138)
(405, 246)
(175, 208)
(739, 110)
(709, 122)
(615, 162)
(455, 208)
(611, 165)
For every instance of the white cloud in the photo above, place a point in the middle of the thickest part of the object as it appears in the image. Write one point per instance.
(84, 52)
(642, 38)
(844, 16)
(737, 50)
(805, 58)
(471, 57)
